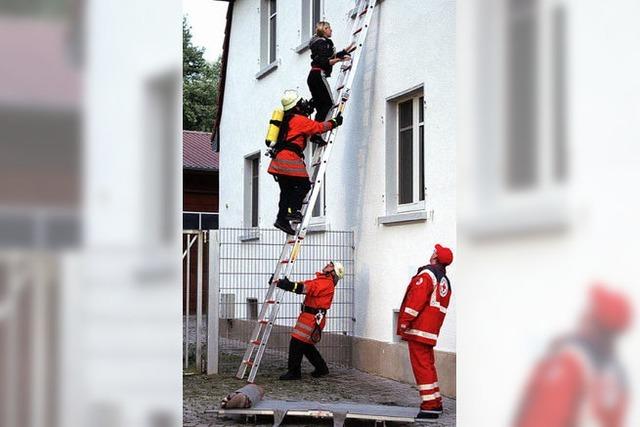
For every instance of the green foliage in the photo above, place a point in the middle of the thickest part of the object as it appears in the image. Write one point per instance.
(200, 85)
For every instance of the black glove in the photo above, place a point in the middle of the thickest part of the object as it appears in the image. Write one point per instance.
(337, 120)
(285, 284)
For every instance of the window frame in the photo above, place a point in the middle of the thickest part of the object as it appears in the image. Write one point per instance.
(251, 210)
(321, 200)
(268, 57)
(416, 211)
(549, 84)
(308, 22)
(417, 203)
(495, 208)
(272, 19)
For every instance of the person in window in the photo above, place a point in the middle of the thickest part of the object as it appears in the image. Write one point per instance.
(288, 167)
(323, 58)
(312, 319)
(421, 316)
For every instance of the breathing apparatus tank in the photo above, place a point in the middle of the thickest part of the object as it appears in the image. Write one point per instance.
(274, 127)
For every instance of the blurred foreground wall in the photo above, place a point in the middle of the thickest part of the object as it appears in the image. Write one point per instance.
(90, 96)
(547, 187)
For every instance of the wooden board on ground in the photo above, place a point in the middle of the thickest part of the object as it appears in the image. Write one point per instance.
(338, 411)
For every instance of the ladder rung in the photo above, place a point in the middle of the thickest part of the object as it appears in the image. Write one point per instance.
(256, 342)
(340, 87)
(248, 362)
(357, 31)
(291, 241)
(263, 321)
(284, 261)
(366, 9)
(346, 68)
(270, 301)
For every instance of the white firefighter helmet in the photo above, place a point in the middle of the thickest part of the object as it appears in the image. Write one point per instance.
(290, 99)
(338, 268)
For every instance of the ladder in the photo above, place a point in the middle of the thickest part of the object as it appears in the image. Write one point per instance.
(361, 16)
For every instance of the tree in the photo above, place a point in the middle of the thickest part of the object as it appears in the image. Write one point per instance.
(199, 85)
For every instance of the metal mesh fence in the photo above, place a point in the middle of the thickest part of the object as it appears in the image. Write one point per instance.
(248, 257)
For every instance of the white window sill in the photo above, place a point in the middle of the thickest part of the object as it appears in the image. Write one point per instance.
(251, 236)
(403, 218)
(268, 69)
(548, 216)
(318, 225)
(302, 47)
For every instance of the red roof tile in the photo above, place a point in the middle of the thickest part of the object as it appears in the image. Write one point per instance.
(35, 69)
(197, 152)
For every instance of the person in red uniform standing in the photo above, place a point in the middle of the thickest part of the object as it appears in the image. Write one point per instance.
(288, 167)
(421, 316)
(580, 381)
(312, 319)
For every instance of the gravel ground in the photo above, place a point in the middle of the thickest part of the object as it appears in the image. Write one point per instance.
(202, 392)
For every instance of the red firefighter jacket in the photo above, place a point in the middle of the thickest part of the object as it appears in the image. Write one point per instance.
(575, 386)
(319, 295)
(424, 305)
(288, 162)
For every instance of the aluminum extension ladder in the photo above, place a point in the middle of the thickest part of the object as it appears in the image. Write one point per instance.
(291, 248)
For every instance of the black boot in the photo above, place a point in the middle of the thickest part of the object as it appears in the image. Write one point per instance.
(283, 224)
(287, 376)
(314, 356)
(294, 362)
(317, 373)
(295, 217)
(429, 414)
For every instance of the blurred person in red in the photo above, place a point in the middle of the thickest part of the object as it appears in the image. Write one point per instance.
(580, 382)
(421, 316)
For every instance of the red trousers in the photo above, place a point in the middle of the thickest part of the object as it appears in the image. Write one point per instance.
(423, 364)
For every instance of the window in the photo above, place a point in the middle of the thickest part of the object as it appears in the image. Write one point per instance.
(533, 159)
(521, 154)
(319, 209)
(410, 152)
(199, 220)
(272, 31)
(311, 15)
(405, 157)
(251, 190)
(268, 33)
(162, 120)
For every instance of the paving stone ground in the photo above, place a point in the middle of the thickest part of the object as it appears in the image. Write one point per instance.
(202, 392)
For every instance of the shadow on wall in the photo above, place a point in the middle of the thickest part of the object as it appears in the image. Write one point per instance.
(361, 298)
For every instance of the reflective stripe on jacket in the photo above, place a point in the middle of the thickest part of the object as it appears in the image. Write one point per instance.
(289, 163)
(319, 294)
(424, 306)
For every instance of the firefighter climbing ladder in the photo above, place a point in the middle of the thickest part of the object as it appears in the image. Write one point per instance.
(291, 249)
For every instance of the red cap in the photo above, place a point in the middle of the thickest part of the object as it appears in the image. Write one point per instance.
(612, 309)
(445, 256)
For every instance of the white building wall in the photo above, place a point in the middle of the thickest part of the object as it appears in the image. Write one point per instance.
(409, 43)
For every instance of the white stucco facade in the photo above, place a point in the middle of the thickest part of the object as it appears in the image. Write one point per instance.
(410, 44)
